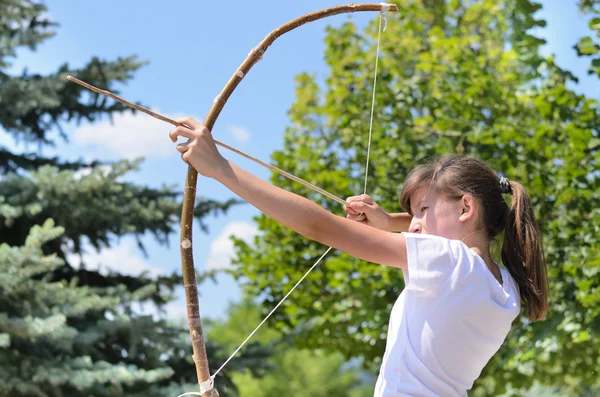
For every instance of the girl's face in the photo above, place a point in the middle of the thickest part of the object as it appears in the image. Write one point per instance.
(433, 214)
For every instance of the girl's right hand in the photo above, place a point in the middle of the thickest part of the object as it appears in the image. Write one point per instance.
(364, 210)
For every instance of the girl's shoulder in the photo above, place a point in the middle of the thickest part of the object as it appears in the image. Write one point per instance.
(433, 260)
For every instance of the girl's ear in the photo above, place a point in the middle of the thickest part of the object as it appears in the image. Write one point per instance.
(468, 207)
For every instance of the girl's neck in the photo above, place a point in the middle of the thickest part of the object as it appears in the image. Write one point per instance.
(482, 248)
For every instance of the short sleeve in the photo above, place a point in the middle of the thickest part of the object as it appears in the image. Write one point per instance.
(431, 261)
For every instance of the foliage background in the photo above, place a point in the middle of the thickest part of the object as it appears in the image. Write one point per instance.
(455, 77)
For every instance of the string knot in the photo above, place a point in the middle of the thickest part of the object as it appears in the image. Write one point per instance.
(384, 9)
(205, 386)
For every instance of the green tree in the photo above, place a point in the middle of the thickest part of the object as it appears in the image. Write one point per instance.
(43, 349)
(454, 77)
(60, 337)
(289, 371)
(64, 330)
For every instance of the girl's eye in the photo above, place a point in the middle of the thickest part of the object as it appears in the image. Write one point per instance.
(423, 209)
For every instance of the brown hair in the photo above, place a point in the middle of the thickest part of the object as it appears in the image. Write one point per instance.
(522, 251)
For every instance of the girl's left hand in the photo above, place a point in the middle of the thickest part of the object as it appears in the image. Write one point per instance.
(200, 150)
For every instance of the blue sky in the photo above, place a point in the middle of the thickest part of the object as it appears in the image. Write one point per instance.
(192, 48)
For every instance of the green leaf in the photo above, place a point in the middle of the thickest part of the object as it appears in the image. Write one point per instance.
(586, 46)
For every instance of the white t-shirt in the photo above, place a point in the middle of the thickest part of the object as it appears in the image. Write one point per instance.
(451, 318)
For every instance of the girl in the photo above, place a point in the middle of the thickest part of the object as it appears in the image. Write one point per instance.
(458, 304)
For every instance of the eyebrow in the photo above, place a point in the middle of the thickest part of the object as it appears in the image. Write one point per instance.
(418, 204)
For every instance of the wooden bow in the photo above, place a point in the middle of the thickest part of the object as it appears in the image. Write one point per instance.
(189, 195)
(187, 259)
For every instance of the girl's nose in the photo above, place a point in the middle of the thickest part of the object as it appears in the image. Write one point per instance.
(414, 228)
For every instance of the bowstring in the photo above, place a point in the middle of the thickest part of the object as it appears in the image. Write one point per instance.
(381, 20)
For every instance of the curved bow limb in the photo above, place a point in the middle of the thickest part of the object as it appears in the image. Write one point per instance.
(187, 259)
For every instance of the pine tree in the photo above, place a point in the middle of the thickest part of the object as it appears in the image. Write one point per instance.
(64, 330)
(60, 337)
(46, 344)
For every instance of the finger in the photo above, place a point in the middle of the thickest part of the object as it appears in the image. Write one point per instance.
(181, 131)
(360, 207)
(183, 147)
(349, 210)
(190, 122)
(184, 157)
(353, 198)
(358, 218)
(365, 198)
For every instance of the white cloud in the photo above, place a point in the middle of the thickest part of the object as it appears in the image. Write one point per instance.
(239, 133)
(222, 251)
(175, 310)
(129, 136)
(124, 258)
(105, 169)
(9, 143)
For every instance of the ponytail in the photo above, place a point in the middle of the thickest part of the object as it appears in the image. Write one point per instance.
(523, 254)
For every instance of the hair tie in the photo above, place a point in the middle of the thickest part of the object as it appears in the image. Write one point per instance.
(505, 186)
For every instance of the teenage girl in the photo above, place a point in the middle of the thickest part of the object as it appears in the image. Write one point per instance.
(458, 304)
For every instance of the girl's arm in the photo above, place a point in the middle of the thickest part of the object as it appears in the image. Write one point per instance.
(313, 221)
(293, 211)
(400, 222)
